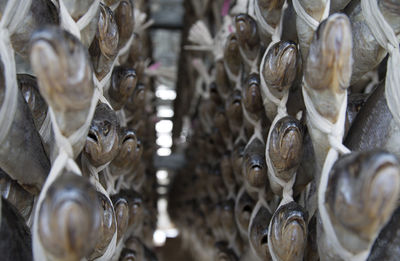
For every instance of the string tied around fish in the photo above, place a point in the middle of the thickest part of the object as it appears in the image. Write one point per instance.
(280, 104)
(8, 24)
(94, 179)
(64, 160)
(386, 37)
(335, 132)
(311, 22)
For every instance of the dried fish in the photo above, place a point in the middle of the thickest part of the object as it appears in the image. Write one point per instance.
(104, 48)
(258, 232)
(254, 166)
(30, 90)
(123, 82)
(16, 195)
(278, 74)
(362, 194)
(15, 237)
(23, 144)
(65, 76)
(288, 232)
(41, 13)
(70, 218)
(374, 126)
(316, 9)
(78, 9)
(102, 142)
(107, 227)
(285, 150)
(125, 19)
(367, 53)
(330, 56)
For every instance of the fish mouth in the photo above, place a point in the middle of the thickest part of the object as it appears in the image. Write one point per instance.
(295, 219)
(93, 136)
(129, 82)
(289, 48)
(243, 28)
(128, 138)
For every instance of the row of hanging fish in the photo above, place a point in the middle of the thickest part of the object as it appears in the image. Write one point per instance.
(293, 152)
(76, 145)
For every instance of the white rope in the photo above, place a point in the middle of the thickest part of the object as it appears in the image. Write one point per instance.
(68, 23)
(386, 37)
(287, 198)
(10, 100)
(310, 21)
(94, 179)
(251, 63)
(263, 24)
(62, 161)
(8, 24)
(335, 135)
(45, 129)
(65, 159)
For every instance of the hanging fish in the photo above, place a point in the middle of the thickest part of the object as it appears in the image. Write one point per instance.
(361, 196)
(123, 82)
(15, 237)
(22, 143)
(69, 220)
(104, 48)
(65, 75)
(288, 235)
(102, 142)
(16, 195)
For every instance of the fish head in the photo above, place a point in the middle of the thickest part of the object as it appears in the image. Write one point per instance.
(329, 61)
(121, 208)
(107, 32)
(243, 208)
(30, 90)
(246, 31)
(137, 98)
(251, 93)
(130, 151)
(234, 111)
(125, 19)
(289, 231)
(63, 69)
(231, 57)
(280, 67)
(286, 147)
(258, 233)
(108, 225)
(254, 166)
(363, 191)
(70, 218)
(102, 141)
(123, 82)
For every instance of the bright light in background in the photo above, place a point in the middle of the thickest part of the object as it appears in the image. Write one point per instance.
(172, 232)
(164, 140)
(159, 237)
(162, 174)
(164, 126)
(163, 152)
(164, 226)
(165, 93)
(165, 112)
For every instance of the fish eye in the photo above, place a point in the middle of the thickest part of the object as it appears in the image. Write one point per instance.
(106, 127)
